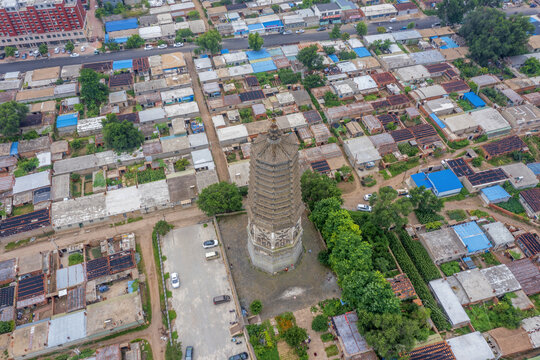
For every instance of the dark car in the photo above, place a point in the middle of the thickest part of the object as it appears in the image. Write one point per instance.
(322, 28)
(2, 56)
(221, 299)
(189, 353)
(241, 356)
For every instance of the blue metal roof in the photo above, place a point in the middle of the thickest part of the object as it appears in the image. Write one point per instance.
(450, 44)
(14, 150)
(273, 24)
(421, 179)
(224, 51)
(66, 120)
(535, 167)
(257, 55)
(119, 40)
(472, 236)
(435, 118)
(495, 193)
(125, 24)
(122, 64)
(263, 66)
(444, 180)
(362, 52)
(333, 57)
(474, 99)
(255, 27)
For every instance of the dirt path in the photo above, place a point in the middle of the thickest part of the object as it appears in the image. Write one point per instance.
(143, 232)
(217, 153)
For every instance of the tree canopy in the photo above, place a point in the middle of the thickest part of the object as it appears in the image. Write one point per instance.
(309, 57)
(322, 210)
(388, 209)
(255, 41)
(370, 291)
(361, 28)
(453, 11)
(121, 136)
(69, 46)
(210, 40)
(531, 67)
(134, 41)
(11, 115)
(336, 32)
(10, 51)
(93, 92)
(491, 35)
(220, 198)
(313, 80)
(316, 187)
(43, 48)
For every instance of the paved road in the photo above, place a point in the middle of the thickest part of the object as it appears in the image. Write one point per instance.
(232, 44)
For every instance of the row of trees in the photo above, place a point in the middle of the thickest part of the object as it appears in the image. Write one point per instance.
(389, 326)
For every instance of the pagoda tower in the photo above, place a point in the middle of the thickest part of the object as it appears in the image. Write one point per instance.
(274, 202)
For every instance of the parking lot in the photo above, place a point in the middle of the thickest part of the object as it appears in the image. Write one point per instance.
(199, 322)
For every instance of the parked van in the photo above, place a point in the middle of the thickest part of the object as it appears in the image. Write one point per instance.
(221, 299)
(212, 255)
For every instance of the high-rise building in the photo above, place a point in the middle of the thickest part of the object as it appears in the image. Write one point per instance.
(274, 202)
(31, 22)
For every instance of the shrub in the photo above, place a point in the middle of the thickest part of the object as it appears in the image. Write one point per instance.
(490, 259)
(450, 268)
(420, 257)
(457, 215)
(285, 321)
(7, 326)
(331, 350)
(295, 335)
(320, 323)
(256, 307)
(327, 337)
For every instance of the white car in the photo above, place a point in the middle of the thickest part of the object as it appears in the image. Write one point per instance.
(367, 197)
(56, 50)
(175, 281)
(288, 32)
(148, 47)
(210, 244)
(300, 31)
(162, 46)
(83, 49)
(74, 55)
(178, 44)
(363, 207)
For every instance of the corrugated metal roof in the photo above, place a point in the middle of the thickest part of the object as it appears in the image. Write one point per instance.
(66, 329)
(70, 276)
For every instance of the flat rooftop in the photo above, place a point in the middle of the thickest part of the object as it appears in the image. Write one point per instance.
(123, 312)
(443, 245)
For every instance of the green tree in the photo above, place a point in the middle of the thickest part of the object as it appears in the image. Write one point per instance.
(491, 35)
(361, 28)
(194, 15)
(180, 165)
(369, 291)
(69, 46)
(7, 326)
(162, 227)
(183, 34)
(381, 29)
(387, 211)
(345, 36)
(295, 335)
(389, 334)
(210, 41)
(174, 351)
(134, 42)
(338, 223)
(43, 48)
(76, 144)
(319, 323)
(451, 11)
(411, 25)
(322, 210)
(255, 41)
(309, 57)
(93, 92)
(220, 198)
(256, 307)
(336, 32)
(10, 51)
(122, 136)
(424, 201)
(313, 81)
(275, 8)
(11, 115)
(287, 76)
(316, 187)
(329, 50)
(350, 253)
(531, 67)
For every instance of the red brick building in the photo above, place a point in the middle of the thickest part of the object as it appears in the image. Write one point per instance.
(36, 21)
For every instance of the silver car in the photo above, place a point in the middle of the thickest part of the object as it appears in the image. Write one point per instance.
(175, 281)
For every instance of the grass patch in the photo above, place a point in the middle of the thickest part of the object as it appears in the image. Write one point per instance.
(75, 258)
(263, 340)
(132, 220)
(15, 244)
(327, 337)
(23, 209)
(490, 259)
(332, 350)
(514, 254)
(457, 215)
(513, 205)
(401, 167)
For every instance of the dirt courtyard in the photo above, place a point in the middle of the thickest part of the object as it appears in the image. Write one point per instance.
(306, 285)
